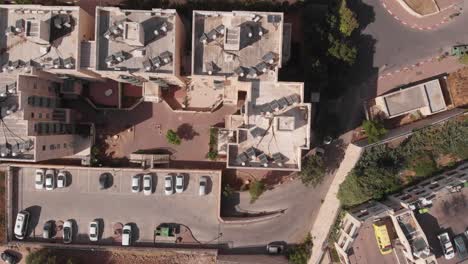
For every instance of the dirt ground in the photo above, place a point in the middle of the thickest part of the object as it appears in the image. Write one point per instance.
(422, 7)
(458, 83)
(121, 256)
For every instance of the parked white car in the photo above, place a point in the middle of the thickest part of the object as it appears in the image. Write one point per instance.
(168, 185)
(50, 180)
(94, 231)
(446, 245)
(39, 179)
(202, 185)
(136, 179)
(179, 186)
(127, 235)
(147, 184)
(21, 224)
(61, 179)
(67, 232)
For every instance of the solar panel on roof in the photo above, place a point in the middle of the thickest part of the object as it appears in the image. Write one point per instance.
(274, 18)
(282, 102)
(262, 67)
(274, 105)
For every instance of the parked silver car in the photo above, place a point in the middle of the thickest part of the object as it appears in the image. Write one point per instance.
(168, 185)
(203, 185)
(147, 184)
(179, 186)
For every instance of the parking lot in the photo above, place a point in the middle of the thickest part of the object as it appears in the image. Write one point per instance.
(448, 214)
(83, 201)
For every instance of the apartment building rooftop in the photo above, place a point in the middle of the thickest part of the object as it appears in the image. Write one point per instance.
(238, 43)
(274, 129)
(135, 40)
(36, 36)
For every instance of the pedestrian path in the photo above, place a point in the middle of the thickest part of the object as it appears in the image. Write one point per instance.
(331, 204)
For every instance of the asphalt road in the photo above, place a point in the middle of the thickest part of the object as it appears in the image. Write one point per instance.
(397, 45)
(301, 205)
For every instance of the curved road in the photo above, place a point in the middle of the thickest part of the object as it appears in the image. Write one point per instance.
(398, 45)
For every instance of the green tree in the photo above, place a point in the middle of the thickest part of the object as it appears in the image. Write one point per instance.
(172, 137)
(313, 171)
(256, 189)
(372, 183)
(300, 254)
(375, 130)
(348, 20)
(342, 50)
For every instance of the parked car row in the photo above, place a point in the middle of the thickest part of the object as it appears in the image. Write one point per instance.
(49, 180)
(170, 185)
(49, 229)
(460, 245)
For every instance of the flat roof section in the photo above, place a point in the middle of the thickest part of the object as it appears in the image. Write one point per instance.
(228, 43)
(426, 97)
(135, 40)
(38, 36)
(405, 100)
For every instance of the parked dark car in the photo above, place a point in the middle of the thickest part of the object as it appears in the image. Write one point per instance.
(47, 231)
(8, 258)
(460, 244)
(105, 180)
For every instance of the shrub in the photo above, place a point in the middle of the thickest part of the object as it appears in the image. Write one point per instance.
(313, 171)
(463, 59)
(212, 155)
(256, 189)
(374, 130)
(228, 191)
(172, 137)
(300, 254)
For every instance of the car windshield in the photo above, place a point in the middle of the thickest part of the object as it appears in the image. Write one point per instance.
(66, 233)
(39, 178)
(202, 183)
(168, 188)
(147, 188)
(134, 187)
(126, 231)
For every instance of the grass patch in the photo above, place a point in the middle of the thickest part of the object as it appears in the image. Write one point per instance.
(213, 151)
(256, 189)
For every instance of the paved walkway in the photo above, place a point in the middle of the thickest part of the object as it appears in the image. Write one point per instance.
(420, 70)
(331, 204)
(430, 22)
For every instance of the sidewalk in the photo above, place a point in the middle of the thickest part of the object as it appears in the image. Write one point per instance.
(429, 22)
(331, 204)
(423, 69)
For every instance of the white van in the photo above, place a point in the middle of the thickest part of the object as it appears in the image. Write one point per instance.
(127, 235)
(21, 225)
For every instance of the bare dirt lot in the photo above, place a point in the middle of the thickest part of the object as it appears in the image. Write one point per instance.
(457, 83)
(117, 256)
